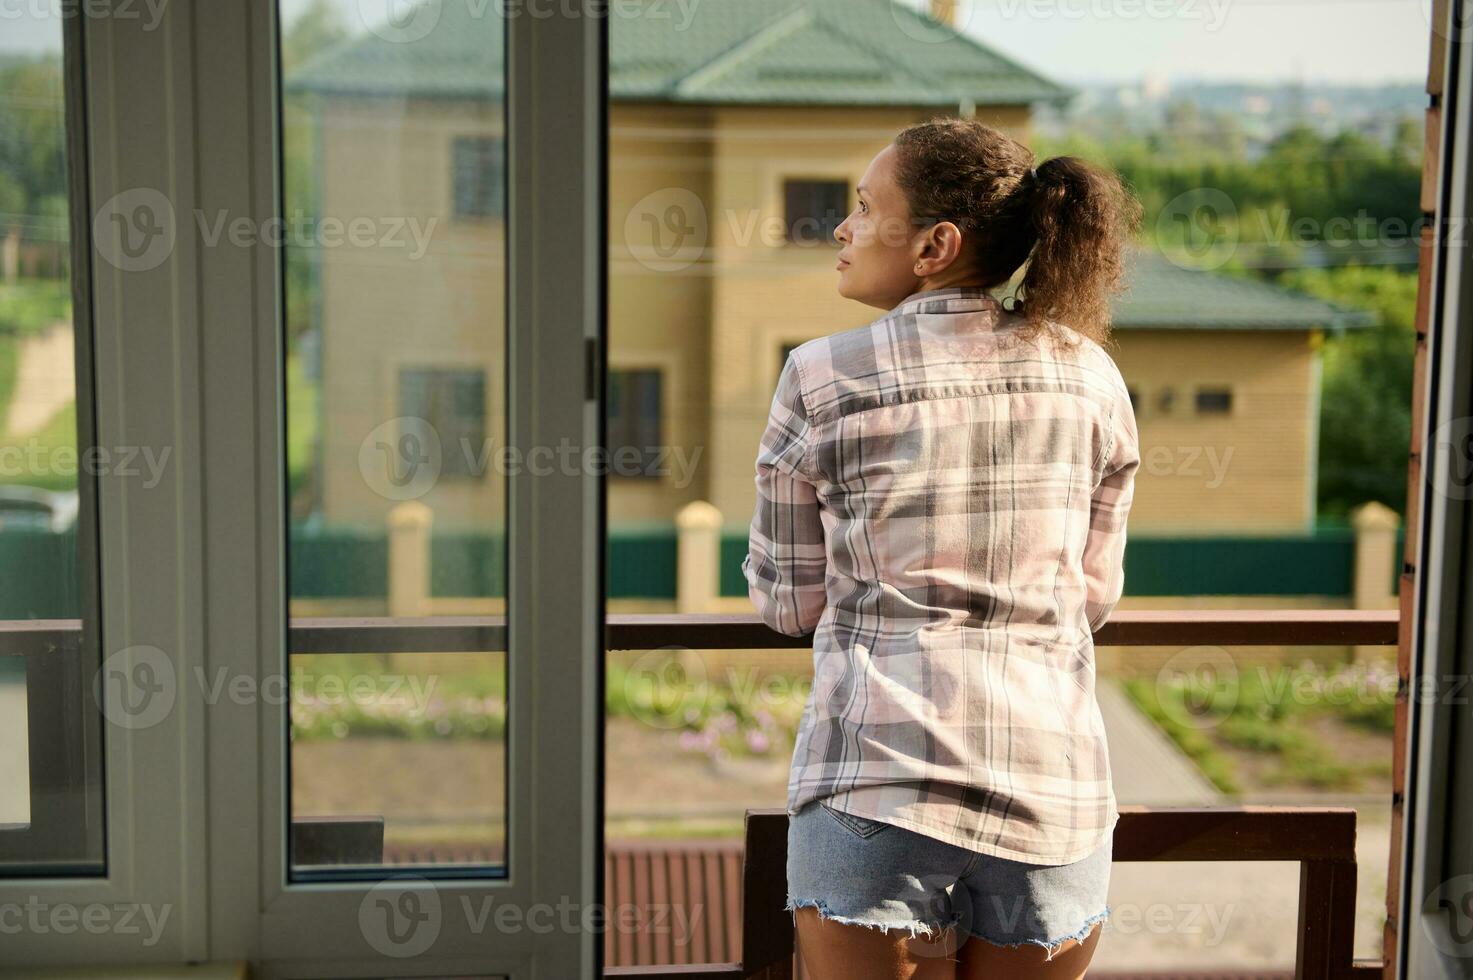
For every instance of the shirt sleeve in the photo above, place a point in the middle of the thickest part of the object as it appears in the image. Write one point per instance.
(1104, 549)
(786, 564)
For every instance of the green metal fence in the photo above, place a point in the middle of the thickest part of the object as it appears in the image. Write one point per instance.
(40, 575)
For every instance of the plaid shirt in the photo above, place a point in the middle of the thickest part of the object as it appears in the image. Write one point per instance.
(947, 512)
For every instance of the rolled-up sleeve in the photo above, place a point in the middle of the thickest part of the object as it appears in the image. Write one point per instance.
(785, 566)
(1104, 549)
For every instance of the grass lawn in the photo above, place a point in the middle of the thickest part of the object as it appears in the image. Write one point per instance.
(1280, 727)
(31, 305)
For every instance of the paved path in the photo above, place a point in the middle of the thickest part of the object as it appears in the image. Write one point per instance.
(1175, 915)
(45, 381)
(1146, 765)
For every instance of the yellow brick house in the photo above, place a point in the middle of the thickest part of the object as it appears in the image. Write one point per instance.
(735, 142)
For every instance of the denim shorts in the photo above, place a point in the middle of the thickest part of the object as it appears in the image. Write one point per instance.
(865, 872)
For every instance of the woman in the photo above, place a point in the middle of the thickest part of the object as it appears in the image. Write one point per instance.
(942, 497)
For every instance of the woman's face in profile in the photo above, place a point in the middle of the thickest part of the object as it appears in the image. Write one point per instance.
(886, 256)
(877, 260)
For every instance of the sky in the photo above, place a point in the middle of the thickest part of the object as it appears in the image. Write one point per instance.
(1075, 41)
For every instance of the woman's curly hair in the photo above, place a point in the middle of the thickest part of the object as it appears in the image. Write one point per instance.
(1070, 220)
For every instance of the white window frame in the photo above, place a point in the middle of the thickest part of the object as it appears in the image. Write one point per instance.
(189, 356)
(1438, 852)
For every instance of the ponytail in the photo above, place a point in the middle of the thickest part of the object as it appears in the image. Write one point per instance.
(1083, 220)
(1069, 220)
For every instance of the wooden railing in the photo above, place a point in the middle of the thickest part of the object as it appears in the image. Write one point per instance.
(744, 631)
(1321, 840)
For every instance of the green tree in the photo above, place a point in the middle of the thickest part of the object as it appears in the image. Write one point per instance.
(315, 29)
(1365, 407)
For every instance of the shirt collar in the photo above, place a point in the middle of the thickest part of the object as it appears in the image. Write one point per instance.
(949, 299)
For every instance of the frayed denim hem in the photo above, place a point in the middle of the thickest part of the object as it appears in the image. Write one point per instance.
(1054, 945)
(914, 925)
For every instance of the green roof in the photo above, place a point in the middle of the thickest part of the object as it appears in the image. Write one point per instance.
(1164, 294)
(760, 52)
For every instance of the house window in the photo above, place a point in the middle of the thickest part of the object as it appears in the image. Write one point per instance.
(636, 398)
(479, 166)
(814, 208)
(1214, 401)
(453, 402)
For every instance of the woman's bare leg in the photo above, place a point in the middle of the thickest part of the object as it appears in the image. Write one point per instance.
(982, 960)
(832, 950)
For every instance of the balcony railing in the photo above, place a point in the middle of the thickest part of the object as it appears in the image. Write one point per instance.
(1320, 839)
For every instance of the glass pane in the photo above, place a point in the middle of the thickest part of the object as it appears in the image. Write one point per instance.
(1266, 337)
(50, 736)
(394, 172)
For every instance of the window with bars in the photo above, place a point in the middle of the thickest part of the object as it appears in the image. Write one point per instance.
(453, 402)
(635, 402)
(814, 209)
(1214, 401)
(479, 168)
